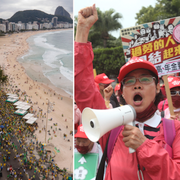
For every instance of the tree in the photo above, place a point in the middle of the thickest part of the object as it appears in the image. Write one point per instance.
(99, 32)
(107, 21)
(75, 24)
(3, 78)
(163, 9)
(171, 8)
(108, 60)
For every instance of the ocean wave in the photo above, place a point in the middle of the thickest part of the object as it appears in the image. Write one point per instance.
(50, 57)
(41, 41)
(66, 73)
(30, 52)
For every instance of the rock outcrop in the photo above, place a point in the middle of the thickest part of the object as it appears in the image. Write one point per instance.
(60, 11)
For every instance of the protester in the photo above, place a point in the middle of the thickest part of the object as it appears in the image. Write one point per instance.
(117, 91)
(140, 88)
(174, 86)
(103, 81)
(84, 145)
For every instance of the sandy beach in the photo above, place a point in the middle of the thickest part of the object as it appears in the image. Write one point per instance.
(60, 119)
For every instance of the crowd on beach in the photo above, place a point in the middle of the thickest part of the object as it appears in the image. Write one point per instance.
(19, 143)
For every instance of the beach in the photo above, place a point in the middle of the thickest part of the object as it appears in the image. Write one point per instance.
(60, 118)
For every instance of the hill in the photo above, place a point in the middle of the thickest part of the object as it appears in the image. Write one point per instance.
(36, 15)
(60, 11)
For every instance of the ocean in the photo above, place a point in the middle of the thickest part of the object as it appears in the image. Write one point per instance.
(50, 59)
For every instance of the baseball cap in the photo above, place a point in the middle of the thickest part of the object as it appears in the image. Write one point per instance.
(117, 87)
(80, 132)
(133, 64)
(173, 82)
(102, 78)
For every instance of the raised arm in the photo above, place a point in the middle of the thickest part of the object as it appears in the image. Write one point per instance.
(86, 92)
(86, 18)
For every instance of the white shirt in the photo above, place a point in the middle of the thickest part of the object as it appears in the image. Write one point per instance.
(152, 122)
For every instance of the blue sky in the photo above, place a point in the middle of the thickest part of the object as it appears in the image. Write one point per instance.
(127, 8)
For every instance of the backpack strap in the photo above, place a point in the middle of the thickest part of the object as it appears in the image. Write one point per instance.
(169, 131)
(162, 110)
(112, 140)
(163, 105)
(100, 172)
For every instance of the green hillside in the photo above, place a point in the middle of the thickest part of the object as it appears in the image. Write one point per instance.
(36, 15)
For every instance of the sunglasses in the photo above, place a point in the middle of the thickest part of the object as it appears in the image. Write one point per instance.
(129, 81)
(173, 93)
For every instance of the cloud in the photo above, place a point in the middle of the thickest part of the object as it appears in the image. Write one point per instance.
(9, 7)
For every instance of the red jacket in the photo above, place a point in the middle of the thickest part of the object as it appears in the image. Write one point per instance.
(155, 162)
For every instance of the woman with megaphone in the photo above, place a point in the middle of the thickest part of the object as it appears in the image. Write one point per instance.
(157, 150)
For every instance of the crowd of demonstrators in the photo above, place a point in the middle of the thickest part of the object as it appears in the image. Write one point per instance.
(22, 155)
(154, 158)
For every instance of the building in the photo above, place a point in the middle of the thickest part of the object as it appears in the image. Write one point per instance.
(54, 21)
(3, 27)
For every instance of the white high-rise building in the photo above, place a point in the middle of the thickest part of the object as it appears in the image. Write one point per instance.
(3, 27)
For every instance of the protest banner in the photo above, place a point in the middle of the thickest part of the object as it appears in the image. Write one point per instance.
(85, 166)
(157, 42)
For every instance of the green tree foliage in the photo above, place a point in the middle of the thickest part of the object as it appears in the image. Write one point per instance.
(163, 9)
(108, 60)
(35, 15)
(3, 78)
(171, 8)
(99, 33)
(107, 21)
(75, 24)
(2, 33)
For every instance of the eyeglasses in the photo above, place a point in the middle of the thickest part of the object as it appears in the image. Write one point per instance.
(173, 93)
(146, 79)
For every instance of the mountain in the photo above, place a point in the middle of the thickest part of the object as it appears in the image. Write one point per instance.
(60, 11)
(36, 15)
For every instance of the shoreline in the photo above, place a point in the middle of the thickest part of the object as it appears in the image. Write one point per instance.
(47, 81)
(14, 46)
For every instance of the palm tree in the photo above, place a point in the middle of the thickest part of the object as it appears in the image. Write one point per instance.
(107, 21)
(75, 25)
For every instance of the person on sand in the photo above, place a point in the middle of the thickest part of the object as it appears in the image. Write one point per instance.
(140, 88)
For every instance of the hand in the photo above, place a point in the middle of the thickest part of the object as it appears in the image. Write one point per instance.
(108, 93)
(175, 117)
(133, 137)
(86, 18)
